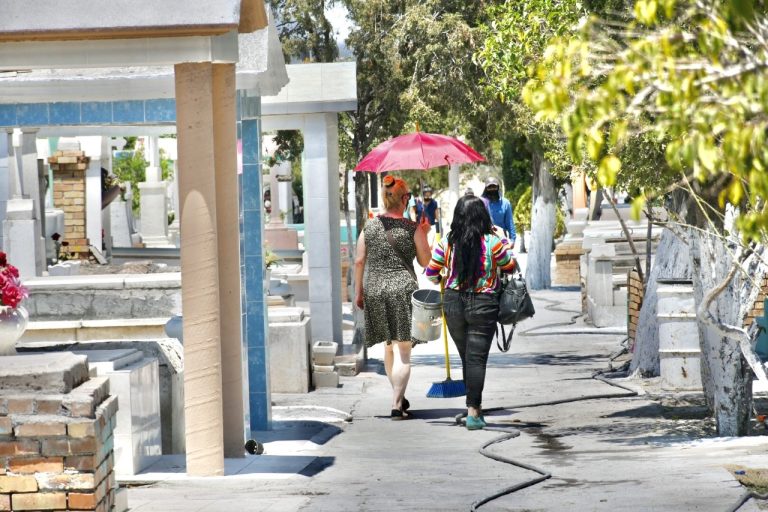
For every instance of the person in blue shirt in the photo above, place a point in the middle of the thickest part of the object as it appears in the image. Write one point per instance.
(427, 207)
(499, 208)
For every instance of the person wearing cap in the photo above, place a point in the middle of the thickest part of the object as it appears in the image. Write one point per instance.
(428, 208)
(499, 208)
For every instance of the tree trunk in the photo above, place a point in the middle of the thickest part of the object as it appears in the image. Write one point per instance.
(361, 200)
(726, 375)
(672, 261)
(537, 273)
(595, 202)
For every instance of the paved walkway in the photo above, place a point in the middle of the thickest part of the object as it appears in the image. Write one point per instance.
(643, 453)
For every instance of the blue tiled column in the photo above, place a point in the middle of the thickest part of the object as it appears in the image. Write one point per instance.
(253, 271)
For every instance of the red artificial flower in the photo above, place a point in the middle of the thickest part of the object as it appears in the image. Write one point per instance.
(12, 292)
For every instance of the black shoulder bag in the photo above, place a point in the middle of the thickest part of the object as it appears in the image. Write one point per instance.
(515, 305)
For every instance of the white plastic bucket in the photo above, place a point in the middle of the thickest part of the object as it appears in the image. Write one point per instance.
(426, 315)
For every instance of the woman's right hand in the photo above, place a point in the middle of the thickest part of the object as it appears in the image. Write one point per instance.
(359, 301)
(424, 225)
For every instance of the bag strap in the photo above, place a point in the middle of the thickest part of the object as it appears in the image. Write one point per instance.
(505, 341)
(408, 266)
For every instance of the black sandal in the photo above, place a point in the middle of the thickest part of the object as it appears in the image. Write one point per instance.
(406, 404)
(398, 415)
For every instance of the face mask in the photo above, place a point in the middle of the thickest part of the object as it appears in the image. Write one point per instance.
(493, 195)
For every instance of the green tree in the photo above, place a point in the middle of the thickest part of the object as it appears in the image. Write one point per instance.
(693, 76)
(131, 167)
(414, 64)
(515, 37)
(305, 32)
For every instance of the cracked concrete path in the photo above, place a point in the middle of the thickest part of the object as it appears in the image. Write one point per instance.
(652, 452)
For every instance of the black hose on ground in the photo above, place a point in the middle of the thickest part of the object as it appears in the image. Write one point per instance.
(511, 433)
(745, 498)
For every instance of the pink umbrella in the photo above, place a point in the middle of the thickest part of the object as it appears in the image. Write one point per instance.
(418, 150)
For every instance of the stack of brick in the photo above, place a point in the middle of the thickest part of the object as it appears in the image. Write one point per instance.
(567, 257)
(56, 443)
(758, 310)
(635, 296)
(69, 168)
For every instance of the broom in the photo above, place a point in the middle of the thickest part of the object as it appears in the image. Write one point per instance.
(448, 388)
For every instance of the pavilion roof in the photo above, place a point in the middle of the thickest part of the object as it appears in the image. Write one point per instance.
(261, 68)
(49, 20)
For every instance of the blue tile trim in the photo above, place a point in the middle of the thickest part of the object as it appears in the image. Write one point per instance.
(128, 111)
(160, 110)
(259, 410)
(252, 274)
(65, 113)
(32, 114)
(251, 146)
(97, 112)
(8, 115)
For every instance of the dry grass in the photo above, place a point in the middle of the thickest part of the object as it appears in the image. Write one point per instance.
(755, 479)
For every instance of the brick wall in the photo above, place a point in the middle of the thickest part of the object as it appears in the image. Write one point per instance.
(69, 195)
(635, 294)
(56, 450)
(758, 309)
(567, 255)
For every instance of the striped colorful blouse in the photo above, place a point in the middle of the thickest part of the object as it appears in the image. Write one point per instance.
(496, 254)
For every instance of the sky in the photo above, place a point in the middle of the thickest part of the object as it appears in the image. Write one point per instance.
(337, 15)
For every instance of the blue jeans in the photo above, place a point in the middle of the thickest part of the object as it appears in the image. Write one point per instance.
(471, 320)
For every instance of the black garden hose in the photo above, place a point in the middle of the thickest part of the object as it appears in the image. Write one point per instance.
(511, 433)
(745, 498)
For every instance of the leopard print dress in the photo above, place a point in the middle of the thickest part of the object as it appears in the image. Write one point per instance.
(388, 284)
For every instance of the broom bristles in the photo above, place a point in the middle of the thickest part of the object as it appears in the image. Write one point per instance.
(447, 389)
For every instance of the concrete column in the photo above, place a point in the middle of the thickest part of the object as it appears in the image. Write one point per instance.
(253, 271)
(203, 404)
(168, 146)
(20, 229)
(227, 220)
(452, 197)
(5, 150)
(320, 169)
(93, 148)
(579, 191)
(32, 174)
(154, 201)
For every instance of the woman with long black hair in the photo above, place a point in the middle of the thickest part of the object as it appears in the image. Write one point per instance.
(472, 254)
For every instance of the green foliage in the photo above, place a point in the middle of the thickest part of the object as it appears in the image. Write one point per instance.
(515, 163)
(514, 195)
(523, 210)
(414, 63)
(559, 221)
(305, 32)
(131, 168)
(691, 77)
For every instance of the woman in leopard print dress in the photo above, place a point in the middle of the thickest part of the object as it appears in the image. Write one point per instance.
(385, 293)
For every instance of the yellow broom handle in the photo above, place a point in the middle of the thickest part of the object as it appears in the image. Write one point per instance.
(445, 331)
